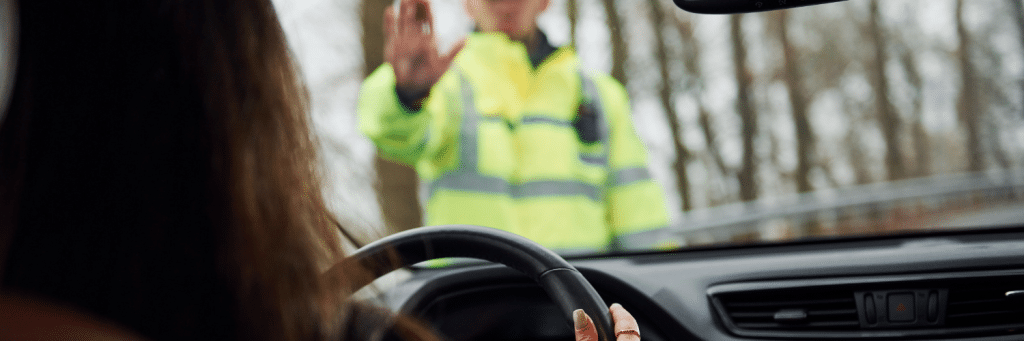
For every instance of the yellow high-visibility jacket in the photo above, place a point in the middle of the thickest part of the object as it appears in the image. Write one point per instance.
(497, 145)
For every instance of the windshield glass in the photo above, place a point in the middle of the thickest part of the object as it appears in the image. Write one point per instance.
(855, 118)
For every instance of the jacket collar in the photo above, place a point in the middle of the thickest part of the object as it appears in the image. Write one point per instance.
(543, 50)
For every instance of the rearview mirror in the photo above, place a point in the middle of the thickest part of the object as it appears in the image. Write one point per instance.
(743, 6)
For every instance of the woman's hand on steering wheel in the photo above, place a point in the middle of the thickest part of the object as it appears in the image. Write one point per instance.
(625, 325)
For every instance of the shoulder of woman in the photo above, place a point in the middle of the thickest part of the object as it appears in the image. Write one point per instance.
(24, 318)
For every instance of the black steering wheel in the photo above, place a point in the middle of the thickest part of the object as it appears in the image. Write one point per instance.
(563, 283)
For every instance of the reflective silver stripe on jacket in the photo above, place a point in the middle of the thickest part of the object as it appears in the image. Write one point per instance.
(471, 182)
(538, 119)
(627, 176)
(469, 128)
(466, 177)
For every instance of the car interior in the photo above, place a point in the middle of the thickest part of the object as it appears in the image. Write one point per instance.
(954, 275)
(951, 269)
(923, 286)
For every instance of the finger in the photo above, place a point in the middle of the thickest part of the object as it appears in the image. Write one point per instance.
(389, 22)
(425, 17)
(407, 17)
(584, 326)
(626, 328)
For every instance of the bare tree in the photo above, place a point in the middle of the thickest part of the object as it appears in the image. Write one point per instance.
(572, 11)
(619, 47)
(888, 120)
(970, 113)
(666, 92)
(798, 102)
(858, 158)
(995, 101)
(694, 83)
(1018, 17)
(372, 18)
(745, 107)
(397, 184)
(922, 141)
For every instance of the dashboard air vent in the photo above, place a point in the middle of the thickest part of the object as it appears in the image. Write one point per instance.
(923, 306)
(990, 303)
(791, 310)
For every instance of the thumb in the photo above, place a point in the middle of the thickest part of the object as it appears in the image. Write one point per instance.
(584, 326)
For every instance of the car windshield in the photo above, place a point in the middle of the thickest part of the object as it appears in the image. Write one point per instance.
(854, 118)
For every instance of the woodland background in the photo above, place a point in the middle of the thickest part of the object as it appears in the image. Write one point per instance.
(735, 110)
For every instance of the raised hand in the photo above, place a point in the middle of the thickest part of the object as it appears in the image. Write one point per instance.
(411, 48)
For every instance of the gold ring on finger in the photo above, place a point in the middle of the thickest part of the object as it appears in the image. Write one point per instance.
(627, 331)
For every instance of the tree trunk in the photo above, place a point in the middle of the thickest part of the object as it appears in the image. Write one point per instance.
(619, 48)
(572, 10)
(372, 17)
(397, 185)
(397, 190)
(967, 105)
(922, 141)
(1018, 16)
(888, 120)
(665, 93)
(746, 109)
(858, 159)
(798, 101)
(691, 60)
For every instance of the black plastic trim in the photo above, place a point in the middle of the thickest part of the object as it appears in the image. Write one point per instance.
(743, 6)
(486, 277)
(873, 281)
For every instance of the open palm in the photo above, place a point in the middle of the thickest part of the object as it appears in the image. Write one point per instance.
(411, 47)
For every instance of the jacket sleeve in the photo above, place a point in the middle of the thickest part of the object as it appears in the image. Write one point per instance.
(635, 208)
(400, 134)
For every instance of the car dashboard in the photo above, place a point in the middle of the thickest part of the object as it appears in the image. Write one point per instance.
(953, 285)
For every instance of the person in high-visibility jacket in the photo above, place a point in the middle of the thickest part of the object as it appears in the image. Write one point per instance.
(509, 132)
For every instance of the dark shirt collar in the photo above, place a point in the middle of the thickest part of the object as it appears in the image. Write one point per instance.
(543, 50)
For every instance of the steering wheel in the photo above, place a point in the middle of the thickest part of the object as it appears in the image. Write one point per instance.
(562, 282)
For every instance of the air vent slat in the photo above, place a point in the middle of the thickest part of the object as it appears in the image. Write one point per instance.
(758, 325)
(986, 301)
(789, 303)
(793, 310)
(985, 313)
(832, 312)
(812, 325)
(752, 315)
(835, 324)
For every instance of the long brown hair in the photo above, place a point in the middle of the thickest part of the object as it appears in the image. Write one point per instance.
(157, 169)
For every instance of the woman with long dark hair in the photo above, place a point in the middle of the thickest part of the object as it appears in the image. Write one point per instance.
(156, 158)
(157, 173)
